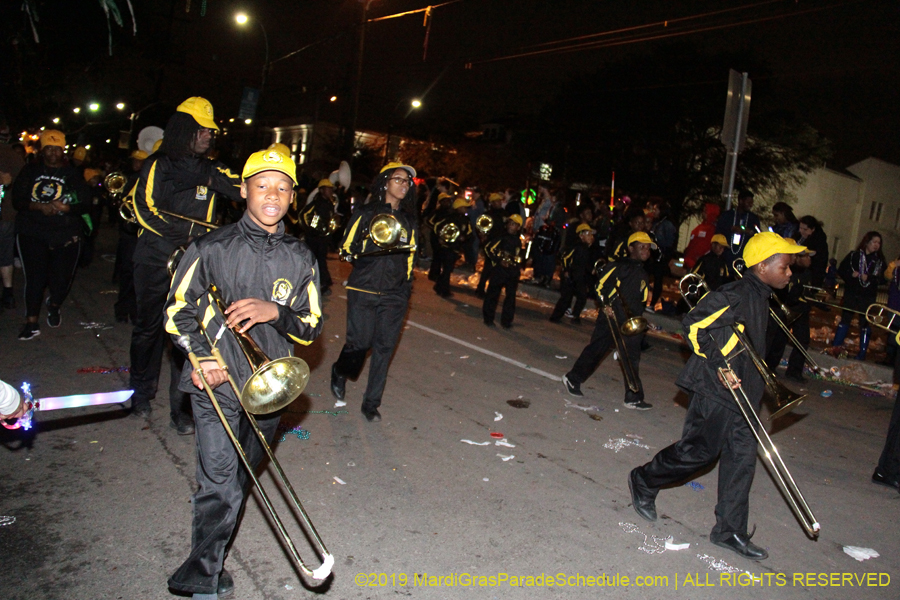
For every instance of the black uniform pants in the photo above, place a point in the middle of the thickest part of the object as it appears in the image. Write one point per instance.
(711, 431)
(446, 259)
(149, 339)
(126, 305)
(776, 342)
(507, 281)
(373, 321)
(223, 484)
(435, 268)
(568, 289)
(889, 463)
(319, 247)
(601, 343)
(47, 267)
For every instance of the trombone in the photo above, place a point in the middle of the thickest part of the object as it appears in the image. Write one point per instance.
(631, 326)
(384, 230)
(876, 314)
(127, 212)
(691, 284)
(791, 316)
(273, 385)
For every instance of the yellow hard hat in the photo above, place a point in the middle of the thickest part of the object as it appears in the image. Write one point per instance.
(269, 160)
(281, 148)
(325, 183)
(79, 154)
(397, 165)
(201, 110)
(91, 173)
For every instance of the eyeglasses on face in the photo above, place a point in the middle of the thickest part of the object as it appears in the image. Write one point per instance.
(401, 180)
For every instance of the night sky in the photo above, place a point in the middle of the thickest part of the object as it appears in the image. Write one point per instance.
(833, 63)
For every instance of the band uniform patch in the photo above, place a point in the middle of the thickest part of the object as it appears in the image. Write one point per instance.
(273, 157)
(202, 192)
(46, 190)
(281, 291)
(404, 236)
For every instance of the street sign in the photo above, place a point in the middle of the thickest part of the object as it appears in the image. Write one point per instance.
(734, 129)
(249, 101)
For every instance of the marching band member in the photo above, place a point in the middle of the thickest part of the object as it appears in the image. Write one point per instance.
(316, 218)
(505, 255)
(379, 287)
(625, 280)
(270, 280)
(576, 272)
(450, 246)
(498, 228)
(714, 427)
(180, 178)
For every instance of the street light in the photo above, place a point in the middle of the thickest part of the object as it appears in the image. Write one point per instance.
(120, 105)
(76, 110)
(94, 107)
(55, 120)
(416, 103)
(333, 99)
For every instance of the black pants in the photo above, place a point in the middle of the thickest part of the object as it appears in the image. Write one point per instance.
(319, 247)
(126, 305)
(446, 260)
(223, 485)
(568, 289)
(47, 266)
(601, 343)
(776, 342)
(889, 463)
(507, 281)
(373, 321)
(435, 268)
(483, 279)
(149, 339)
(711, 431)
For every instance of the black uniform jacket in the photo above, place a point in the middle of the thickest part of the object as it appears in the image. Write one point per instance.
(244, 261)
(707, 328)
(316, 216)
(185, 186)
(577, 261)
(460, 220)
(857, 294)
(714, 269)
(624, 280)
(386, 273)
(510, 245)
(38, 183)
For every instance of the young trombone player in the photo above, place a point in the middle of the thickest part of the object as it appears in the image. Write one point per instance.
(622, 287)
(269, 283)
(714, 427)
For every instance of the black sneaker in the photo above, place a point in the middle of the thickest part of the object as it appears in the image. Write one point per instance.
(31, 330)
(574, 389)
(9, 301)
(54, 319)
(638, 405)
(372, 415)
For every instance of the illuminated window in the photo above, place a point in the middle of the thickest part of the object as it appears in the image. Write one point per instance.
(545, 171)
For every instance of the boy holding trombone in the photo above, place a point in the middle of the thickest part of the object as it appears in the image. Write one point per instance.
(269, 283)
(715, 427)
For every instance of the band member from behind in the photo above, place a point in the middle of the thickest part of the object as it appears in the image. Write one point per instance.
(793, 298)
(379, 286)
(712, 266)
(181, 179)
(316, 218)
(714, 427)
(269, 283)
(576, 273)
(505, 254)
(442, 210)
(50, 198)
(498, 228)
(622, 282)
(452, 231)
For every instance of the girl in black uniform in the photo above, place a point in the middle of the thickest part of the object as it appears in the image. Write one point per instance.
(379, 287)
(505, 254)
(862, 270)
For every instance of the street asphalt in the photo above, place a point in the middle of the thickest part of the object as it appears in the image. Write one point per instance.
(95, 504)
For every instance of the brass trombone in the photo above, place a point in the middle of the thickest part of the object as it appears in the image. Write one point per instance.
(631, 326)
(691, 284)
(384, 231)
(273, 385)
(785, 400)
(876, 313)
(126, 211)
(784, 325)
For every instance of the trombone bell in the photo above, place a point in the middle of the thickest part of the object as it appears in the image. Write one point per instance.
(275, 385)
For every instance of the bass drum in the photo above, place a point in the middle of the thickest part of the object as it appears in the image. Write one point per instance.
(547, 240)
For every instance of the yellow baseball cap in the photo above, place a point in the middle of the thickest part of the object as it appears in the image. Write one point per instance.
(201, 110)
(584, 228)
(516, 219)
(80, 153)
(461, 203)
(280, 148)
(719, 239)
(763, 245)
(495, 197)
(443, 195)
(325, 183)
(91, 173)
(269, 160)
(397, 165)
(53, 137)
(640, 237)
(139, 155)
